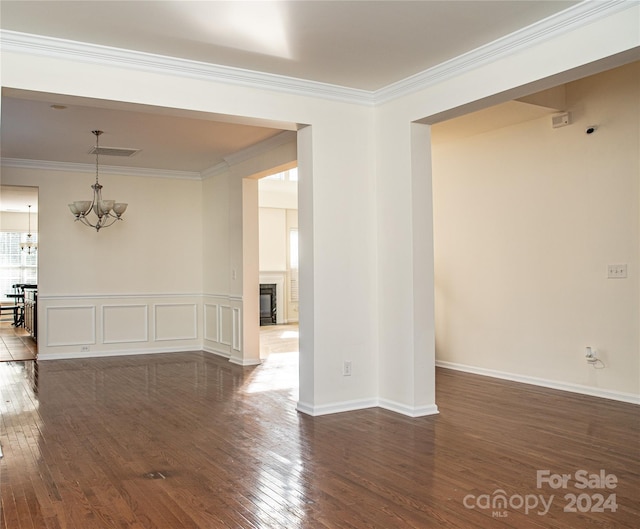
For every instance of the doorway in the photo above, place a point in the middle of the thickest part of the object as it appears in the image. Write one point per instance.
(18, 273)
(278, 262)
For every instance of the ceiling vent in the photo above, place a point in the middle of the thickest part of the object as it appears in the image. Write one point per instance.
(113, 151)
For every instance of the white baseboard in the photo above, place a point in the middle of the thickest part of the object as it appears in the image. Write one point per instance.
(362, 404)
(245, 362)
(305, 408)
(546, 383)
(409, 411)
(233, 360)
(102, 354)
(338, 407)
(217, 352)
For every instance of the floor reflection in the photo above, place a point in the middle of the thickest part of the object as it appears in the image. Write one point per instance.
(190, 440)
(278, 372)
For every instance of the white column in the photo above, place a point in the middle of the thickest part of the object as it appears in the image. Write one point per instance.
(423, 272)
(250, 332)
(405, 268)
(306, 323)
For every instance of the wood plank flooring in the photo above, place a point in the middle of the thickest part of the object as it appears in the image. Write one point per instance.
(16, 343)
(187, 440)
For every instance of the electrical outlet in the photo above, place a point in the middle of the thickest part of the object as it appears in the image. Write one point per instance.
(84, 349)
(346, 368)
(617, 271)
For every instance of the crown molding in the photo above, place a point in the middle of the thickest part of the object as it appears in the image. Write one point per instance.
(252, 151)
(81, 51)
(69, 167)
(572, 18)
(215, 170)
(269, 144)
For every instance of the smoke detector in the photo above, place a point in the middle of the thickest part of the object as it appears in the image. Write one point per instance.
(560, 120)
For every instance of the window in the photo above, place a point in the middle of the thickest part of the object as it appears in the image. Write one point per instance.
(16, 266)
(285, 176)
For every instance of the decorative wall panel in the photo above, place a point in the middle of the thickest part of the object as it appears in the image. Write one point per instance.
(72, 325)
(226, 325)
(237, 329)
(175, 321)
(211, 320)
(125, 323)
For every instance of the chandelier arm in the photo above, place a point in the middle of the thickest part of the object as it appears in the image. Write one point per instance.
(109, 220)
(93, 203)
(84, 221)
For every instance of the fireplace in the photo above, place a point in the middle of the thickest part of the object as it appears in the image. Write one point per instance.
(268, 304)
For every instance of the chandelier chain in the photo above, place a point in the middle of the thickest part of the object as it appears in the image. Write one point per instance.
(97, 133)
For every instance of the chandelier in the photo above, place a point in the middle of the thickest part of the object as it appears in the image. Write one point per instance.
(107, 211)
(29, 246)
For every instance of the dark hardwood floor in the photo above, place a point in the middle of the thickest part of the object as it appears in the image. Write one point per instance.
(16, 343)
(188, 440)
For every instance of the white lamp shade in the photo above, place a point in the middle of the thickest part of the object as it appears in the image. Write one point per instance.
(83, 206)
(106, 205)
(119, 208)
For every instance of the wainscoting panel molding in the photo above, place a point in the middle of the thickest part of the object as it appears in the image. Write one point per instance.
(175, 321)
(125, 323)
(70, 325)
(221, 332)
(225, 324)
(94, 325)
(211, 327)
(237, 330)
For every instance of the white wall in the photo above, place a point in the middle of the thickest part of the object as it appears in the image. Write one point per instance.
(228, 329)
(273, 240)
(527, 218)
(406, 334)
(16, 221)
(293, 307)
(217, 275)
(135, 286)
(148, 252)
(364, 195)
(278, 194)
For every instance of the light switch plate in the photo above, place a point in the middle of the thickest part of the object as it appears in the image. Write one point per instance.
(617, 271)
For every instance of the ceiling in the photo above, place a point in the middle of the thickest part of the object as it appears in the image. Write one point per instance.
(172, 141)
(363, 45)
(359, 44)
